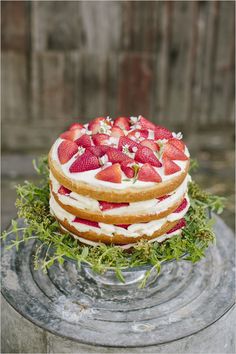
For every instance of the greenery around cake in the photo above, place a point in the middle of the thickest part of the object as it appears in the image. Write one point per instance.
(33, 206)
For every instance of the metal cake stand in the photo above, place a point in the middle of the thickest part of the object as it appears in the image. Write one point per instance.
(76, 305)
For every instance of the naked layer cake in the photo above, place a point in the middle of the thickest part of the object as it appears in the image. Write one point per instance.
(120, 181)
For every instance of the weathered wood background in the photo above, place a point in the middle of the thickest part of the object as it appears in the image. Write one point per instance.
(170, 61)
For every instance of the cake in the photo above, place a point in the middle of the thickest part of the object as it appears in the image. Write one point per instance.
(119, 181)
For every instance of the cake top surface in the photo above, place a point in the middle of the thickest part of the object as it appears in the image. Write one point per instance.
(120, 153)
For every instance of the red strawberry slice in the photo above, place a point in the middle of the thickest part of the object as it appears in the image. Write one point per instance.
(63, 190)
(84, 141)
(117, 132)
(122, 122)
(148, 174)
(126, 141)
(145, 123)
(177, 143)
(115, 155)
(128, 171)
(107, 206)
(136, 134)
(110, 174)
(151, 144)
(98, 151)
(75, 126)
(95, 124)
(163, 197)
(173, 153)
(124, 226)
(162, 133)
(66, 150)
(71, 134)
(144, 154)
(179, 225)
(86, 162)
(86, 222)
(182, 206)
(170, 166)
(100, 139)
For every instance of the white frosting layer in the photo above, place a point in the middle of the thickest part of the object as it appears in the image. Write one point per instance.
(89, 176)
(133, 230)
(152, 206)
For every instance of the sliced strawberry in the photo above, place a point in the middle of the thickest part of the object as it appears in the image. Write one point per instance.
(66, 150)
(98, 151)
(126, 141)
(86, 222)
(95, 124)
(71, 134)
(177, 143)
(136, 134)
(110, 174)
(163, 197)
(100, 139)
(128, 171)
(148, 174)
(76, 126)
(115, 155)
(117, 132)
(107, 206)
(124, 226)
(151, 144)
(86, 162)
(179, 225)
(162, 133)
(122, 122)
(84, 141)
(63, 190)
(173, 153)
(170, 166)
(145, 123)
(144, 154)
(182, 206)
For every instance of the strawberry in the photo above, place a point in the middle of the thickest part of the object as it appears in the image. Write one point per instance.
(85, 162)
(107, 206)
(71, 134)
(179, 225)
(151, 144)
(124, 226)
(117, 132)
(163, 197)
(177, 143)
(173, 153)
(144, 154)
(63, 190)
(170, 166)
(148, 174)
(145, 123)
(86, 222)
(126, 141)
(98, 151)
(66, 150)
(136, 134)
(84, 141)
(110, 174)
(122, 122)
(95, 124)
(128, 171)
(100, 139)
(75, 126)
(182, 206)
(115, 155)
(162, 133)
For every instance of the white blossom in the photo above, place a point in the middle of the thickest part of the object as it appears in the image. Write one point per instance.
(81, 150)
(178, 135)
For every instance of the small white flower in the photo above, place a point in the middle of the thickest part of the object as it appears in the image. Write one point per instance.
(135, 149)
(108, 119)
(103, 160)
(137, 135)
(113, 141)
(134, 120)
(104, 127)
(81, 150)
(178, 135)
(125, 150)
(151, 134)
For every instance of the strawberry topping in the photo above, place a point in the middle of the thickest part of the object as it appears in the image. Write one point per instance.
(122, 122)
(144, 154)
(162, 133)
(146, 124)
(170, 166)
(107, 206)
(182, 206)
(136, 134)
(95, 124)
(115, 155)
(86, 222)
(84, 141)
(126, 141)
(124, 226)
(63, 190)
(127, 169)
(179, 225)
(148, 174)
(66, 150)
(177, 143)
(151, 144)
(76, 126)
(173, 153)
(86, 162)
(110, 174)
(98, 151)
(71, 134)
(117, 132)
(100, 139)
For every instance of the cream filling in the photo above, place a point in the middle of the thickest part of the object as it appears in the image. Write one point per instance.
(152, 206)
(88, 177)
(134, 230)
